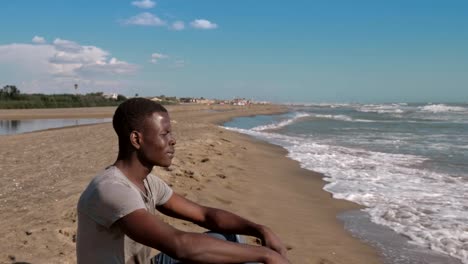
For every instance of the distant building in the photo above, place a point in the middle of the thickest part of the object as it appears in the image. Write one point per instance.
(240, 101)
(186, 100)
(156, 99)
(112, 96)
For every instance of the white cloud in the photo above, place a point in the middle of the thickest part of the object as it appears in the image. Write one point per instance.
(145, 4)
(145, 19)
(203, 24)
(67, 46)
(60, 64)
(155, 57)
(38, 40)
(178, 25)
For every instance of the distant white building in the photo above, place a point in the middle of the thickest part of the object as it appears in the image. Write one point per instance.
(112, 96)
(156, 99)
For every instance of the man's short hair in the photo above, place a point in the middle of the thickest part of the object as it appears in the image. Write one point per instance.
(130, 116)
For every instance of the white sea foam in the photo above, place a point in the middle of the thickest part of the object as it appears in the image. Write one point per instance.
(282, 123)
(441, 108)
(336, 117)
(428, 207)
(382, 108)
(344, 118)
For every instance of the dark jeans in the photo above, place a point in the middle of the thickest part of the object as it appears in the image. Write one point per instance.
(162, 258)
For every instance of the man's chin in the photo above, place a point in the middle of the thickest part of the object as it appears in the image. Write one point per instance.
(165, 164)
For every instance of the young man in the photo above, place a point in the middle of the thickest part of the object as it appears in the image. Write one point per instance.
(117, 218)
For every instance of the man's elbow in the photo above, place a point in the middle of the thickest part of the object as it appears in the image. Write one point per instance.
(184, 247)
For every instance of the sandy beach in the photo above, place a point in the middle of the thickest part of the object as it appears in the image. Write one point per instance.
(43, 174)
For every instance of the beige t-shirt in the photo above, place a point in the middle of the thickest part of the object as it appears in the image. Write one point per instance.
(109, 197)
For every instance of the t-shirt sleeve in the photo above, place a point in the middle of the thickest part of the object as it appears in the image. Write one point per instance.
(111, 201)
(162, 191)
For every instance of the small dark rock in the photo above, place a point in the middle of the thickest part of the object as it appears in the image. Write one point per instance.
(12, 257)
(222, 176)
(189, 172)
(205, 160)
(28, 233)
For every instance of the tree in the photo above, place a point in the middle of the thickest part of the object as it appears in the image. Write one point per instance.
(9, 92)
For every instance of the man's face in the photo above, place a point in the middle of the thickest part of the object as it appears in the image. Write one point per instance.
(157, 142)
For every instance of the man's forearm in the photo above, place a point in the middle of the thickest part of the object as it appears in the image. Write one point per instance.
(227, 222)
(223, 221)
(201, 248)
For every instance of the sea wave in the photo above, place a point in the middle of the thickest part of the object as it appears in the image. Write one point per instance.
(382, 108)
(281, 124)
(345, 118)
(441, 108)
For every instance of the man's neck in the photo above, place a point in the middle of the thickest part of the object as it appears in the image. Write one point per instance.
(133, 169)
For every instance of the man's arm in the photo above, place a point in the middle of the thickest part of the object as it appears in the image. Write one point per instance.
(149, 230)
(220, 221)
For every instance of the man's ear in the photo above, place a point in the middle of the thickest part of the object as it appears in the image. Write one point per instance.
(135, 139)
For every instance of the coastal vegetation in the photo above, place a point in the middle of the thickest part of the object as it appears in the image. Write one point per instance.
(12, 98)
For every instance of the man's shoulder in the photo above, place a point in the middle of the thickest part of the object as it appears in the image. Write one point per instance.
(105, 183)
(111, 175)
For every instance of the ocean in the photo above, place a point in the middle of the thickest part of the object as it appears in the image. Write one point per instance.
(406, 162)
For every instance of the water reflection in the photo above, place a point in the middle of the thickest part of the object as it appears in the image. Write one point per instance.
(8, 127)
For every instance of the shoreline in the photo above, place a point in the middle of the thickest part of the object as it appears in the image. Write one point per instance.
(242, 174)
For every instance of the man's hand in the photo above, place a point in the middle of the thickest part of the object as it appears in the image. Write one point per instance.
(275, 258)
(271, 240)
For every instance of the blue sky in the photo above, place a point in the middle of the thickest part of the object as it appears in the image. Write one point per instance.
(284, 51)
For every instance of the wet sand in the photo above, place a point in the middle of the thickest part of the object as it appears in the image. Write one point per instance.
(43, 174)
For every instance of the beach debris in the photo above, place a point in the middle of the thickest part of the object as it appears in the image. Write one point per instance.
(225, 140)
(12, 257)
(205, 160)
(28, 233)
